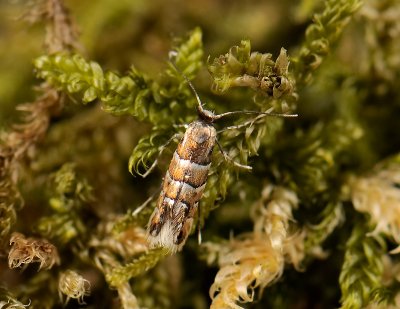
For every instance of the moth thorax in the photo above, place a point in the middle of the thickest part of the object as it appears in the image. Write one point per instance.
(201, 132)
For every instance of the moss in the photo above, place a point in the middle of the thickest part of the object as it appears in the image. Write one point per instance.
(106, 109)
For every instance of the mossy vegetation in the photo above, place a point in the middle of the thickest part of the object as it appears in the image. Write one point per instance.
(93, 102)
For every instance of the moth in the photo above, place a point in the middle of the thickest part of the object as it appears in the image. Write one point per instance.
(185, 180)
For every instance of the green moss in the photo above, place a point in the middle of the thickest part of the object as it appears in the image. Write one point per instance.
(362, 269)
(103, 116)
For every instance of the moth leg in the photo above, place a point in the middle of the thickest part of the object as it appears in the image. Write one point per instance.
(180, 126)
(198, 223)
(228, 158)
(146, 202)
(161, 149)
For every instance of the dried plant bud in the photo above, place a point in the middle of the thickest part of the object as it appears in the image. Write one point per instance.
(378, 194)
(246, 264)
(73, 286)
(255, 260)
(31, 250)
(8, 300)
(12, 304)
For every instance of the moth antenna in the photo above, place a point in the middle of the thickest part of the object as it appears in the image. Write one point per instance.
(146, 202)
(216, 117)
(172, 55)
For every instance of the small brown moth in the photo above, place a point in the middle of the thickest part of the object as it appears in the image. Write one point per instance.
(185, 180)
(183, 187)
